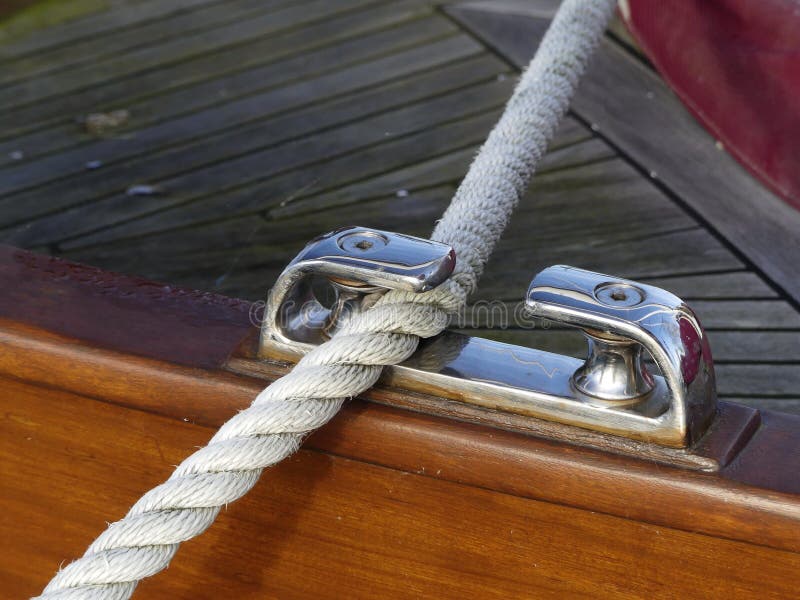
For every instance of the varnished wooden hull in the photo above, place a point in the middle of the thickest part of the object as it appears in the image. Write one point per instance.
(109, 381)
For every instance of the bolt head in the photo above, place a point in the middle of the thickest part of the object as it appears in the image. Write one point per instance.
(362, 242)
(619, 295)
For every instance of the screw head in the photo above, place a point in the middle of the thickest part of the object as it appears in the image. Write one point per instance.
(362, 242)
(618, 295)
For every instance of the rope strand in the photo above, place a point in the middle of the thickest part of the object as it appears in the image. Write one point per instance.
(273, 427)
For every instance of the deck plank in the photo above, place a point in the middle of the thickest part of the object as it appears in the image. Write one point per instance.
(448, 168)
(442, 169)
(159, 146)
(173, 50)
(197, 16)
(715, 286)
(557, 237)
(278, 38)
(265, 69)
(258, 165)
(758, 381)
(95, 25)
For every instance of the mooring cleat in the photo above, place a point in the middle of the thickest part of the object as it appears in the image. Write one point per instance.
(624, 322)
(333, 274)
(612, 391)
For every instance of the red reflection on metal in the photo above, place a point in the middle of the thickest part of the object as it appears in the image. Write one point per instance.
(693, 348)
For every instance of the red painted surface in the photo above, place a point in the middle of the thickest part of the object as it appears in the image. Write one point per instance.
(736, 65)
(119, 312)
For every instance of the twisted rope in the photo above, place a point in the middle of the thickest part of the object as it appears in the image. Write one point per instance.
(273, 427)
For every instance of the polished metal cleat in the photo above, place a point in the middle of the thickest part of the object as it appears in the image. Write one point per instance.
(352, 263)
(613, 391)
(623, 322)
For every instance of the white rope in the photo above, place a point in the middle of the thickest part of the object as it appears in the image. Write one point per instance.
(273, 427)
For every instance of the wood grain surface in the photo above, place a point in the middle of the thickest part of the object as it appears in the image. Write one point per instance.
(324, 526)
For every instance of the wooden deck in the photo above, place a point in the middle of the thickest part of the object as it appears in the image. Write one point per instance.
(259, 124)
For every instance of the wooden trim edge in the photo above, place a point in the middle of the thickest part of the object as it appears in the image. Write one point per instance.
(470, 454)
